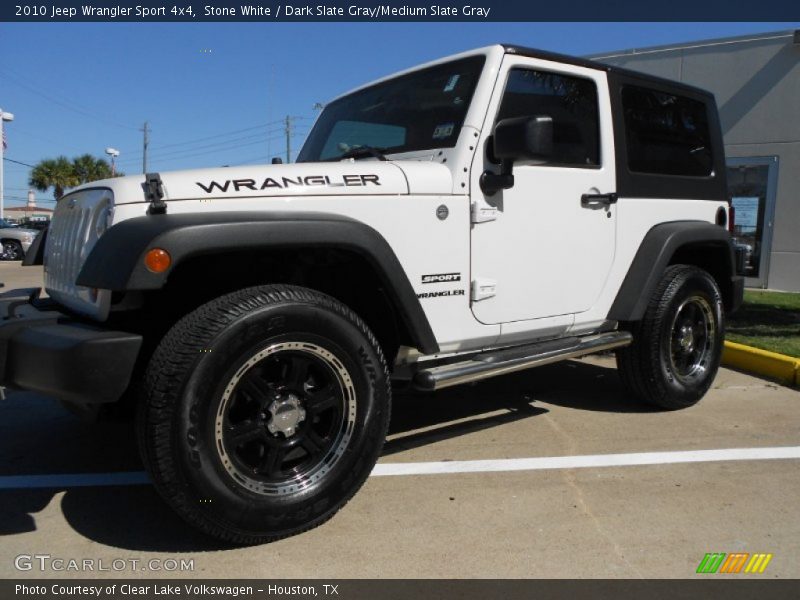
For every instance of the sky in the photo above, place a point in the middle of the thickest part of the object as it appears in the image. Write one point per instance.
(217, 93)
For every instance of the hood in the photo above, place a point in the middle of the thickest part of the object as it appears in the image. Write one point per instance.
(352, 178)
(13, 230)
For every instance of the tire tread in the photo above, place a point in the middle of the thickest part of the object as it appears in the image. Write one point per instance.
(638, 363)
(163, 378)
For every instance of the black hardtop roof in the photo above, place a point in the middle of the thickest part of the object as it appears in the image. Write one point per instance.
(600, 66)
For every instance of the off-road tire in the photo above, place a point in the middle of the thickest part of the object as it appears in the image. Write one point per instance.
(652, 367)
(194, 368)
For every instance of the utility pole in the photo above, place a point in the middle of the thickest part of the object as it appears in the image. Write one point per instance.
(145, 142)
(269, 111)
(288, 130)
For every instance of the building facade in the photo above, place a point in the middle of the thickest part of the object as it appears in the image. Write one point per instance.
(30, 211)
(756, 82)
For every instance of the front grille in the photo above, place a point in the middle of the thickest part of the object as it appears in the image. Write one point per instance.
(71, 237)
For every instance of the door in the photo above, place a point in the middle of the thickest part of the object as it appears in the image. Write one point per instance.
(541, 248)
(752, 186)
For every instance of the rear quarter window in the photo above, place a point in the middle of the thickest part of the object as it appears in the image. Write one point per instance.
(666, 134)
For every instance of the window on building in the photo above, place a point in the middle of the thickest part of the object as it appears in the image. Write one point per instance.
(572, 104)
(666, 134)
(752, 183)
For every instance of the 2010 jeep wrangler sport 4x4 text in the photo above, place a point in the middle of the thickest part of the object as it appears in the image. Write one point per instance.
(471, 217)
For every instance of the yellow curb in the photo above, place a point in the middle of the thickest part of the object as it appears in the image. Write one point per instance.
(780, 367)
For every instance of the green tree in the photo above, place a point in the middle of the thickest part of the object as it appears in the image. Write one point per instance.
(62, 173)
(58, 173)
(88, 168)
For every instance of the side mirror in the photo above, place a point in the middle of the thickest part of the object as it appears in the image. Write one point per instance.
(524, 138)
(520, 138)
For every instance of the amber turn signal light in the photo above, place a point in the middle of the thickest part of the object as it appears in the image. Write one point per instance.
(157, 260)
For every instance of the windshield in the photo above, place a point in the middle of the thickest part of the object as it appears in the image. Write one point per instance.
(419, 111)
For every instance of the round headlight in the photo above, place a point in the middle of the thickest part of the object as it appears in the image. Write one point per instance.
(103, 220)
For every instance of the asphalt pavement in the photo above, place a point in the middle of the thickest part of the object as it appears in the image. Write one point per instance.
(498, 498)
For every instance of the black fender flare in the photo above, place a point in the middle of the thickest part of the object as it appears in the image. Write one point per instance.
(117, 260)
(655, 252)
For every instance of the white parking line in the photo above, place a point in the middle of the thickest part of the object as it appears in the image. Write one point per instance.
(585, 461)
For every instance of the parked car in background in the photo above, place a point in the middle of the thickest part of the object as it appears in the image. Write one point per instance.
(37, 223)
(16, 241)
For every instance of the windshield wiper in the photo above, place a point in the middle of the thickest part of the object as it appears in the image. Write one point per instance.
(364, 152)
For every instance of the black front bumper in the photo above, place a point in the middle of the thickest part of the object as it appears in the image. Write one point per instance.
(44, 350)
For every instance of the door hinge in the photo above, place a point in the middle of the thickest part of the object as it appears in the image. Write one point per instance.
(482, 289)
(481, 213)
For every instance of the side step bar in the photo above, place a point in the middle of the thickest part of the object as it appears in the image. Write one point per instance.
(519, 358)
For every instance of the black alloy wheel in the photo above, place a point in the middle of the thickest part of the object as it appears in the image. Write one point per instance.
(263, 412)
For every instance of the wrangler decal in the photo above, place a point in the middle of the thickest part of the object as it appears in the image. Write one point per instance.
(359, 180)
(441, 294)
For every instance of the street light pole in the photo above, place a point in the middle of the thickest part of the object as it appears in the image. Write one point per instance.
(4, 116)
(113, 153)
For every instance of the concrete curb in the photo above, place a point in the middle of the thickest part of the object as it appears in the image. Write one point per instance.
(779, 367)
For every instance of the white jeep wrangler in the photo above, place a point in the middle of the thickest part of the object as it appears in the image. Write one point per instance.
(471, 217)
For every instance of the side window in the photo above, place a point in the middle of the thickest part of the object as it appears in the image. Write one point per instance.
(572, 104)
(666, 134)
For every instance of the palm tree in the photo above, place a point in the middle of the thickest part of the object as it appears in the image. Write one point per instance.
(88, 168)
(61, 173)
(56, 173)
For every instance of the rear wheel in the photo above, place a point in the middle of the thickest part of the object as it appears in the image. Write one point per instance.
(264, 412)
(677, 346)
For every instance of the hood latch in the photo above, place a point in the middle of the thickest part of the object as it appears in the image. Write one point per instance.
(154, 194)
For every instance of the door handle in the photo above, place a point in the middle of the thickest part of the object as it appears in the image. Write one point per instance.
(595, 200)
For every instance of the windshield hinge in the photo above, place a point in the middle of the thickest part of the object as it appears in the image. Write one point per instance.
(154, 194)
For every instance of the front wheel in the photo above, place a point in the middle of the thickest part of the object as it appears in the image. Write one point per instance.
(677, 345)
(264, 412)
(12, 250)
